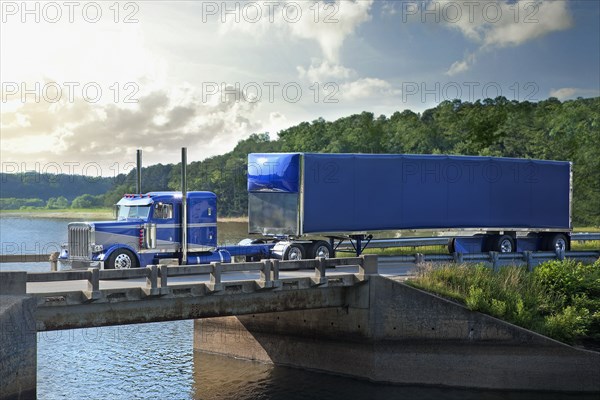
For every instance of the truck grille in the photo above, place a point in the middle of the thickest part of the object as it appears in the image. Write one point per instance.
(79, 240)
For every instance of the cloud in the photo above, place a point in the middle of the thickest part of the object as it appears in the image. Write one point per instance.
(340, 83)
(160, 122)
(563, 93)
(337, 21)
(500, 23)
(388, 8)
(326, 22)
(570, 92)
(366, 87)
(461, 66)
(545, 17)
(324, 72)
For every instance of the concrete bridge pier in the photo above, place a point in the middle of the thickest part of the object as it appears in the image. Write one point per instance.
(390, 332)
(18, 340)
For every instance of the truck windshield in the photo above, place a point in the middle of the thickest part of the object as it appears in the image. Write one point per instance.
(126, 212)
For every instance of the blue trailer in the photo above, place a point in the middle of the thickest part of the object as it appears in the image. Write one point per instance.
(304, 205)
(497, 204)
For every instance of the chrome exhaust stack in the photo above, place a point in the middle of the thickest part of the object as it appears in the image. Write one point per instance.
(138, 187)
(184, 246)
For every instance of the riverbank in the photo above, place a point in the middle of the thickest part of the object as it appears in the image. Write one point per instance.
(67, 213)
(96, 214)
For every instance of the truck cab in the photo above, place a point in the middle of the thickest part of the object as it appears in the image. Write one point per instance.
(147, 230)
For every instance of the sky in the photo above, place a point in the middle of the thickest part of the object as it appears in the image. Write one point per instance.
(85, 84)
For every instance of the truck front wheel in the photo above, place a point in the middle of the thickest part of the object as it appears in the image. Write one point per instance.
(121, 259)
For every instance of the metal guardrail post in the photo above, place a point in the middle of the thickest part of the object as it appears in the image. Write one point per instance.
(527, 255)
(320, 278)
(458, 258)
(494, 260)
(215, 277)
(419, 258)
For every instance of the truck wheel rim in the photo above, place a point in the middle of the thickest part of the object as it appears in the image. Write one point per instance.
(322, 251)
(506, 246)
(295, 254)
(122, 261)
(560, 245)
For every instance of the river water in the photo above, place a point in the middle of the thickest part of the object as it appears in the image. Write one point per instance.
(157, 360)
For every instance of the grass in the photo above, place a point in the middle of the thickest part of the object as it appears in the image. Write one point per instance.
(559, 299)
(398, 251)
(586, 229)
(589, 245)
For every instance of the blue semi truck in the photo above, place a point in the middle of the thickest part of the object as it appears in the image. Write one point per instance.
(303, 205)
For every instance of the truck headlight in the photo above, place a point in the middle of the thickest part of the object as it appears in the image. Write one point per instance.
(97, 248)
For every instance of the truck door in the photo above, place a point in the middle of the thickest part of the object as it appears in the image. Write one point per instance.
(167, 230)
(202, 222)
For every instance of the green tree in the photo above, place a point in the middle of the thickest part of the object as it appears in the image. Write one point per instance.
(88, 201)
(57, 203)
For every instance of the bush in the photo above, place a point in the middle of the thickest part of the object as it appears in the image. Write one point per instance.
(568, 324)
(12, 203)
(57, 203)
(560, 299)
(88, 201)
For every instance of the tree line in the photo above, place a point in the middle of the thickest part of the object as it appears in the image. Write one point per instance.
(43, 186)
(53, 203)
(549, 129)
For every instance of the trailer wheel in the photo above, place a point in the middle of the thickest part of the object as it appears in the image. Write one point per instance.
(294, 252)
(320, 248)
(503, 244)
(121, 259)
(557, 242)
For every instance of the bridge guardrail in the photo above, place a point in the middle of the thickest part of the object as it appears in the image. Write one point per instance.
(443, 240)
(157, 276)
(493, 258)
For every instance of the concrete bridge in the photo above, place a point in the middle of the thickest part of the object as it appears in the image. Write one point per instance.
(337, 315)
(90, 298)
